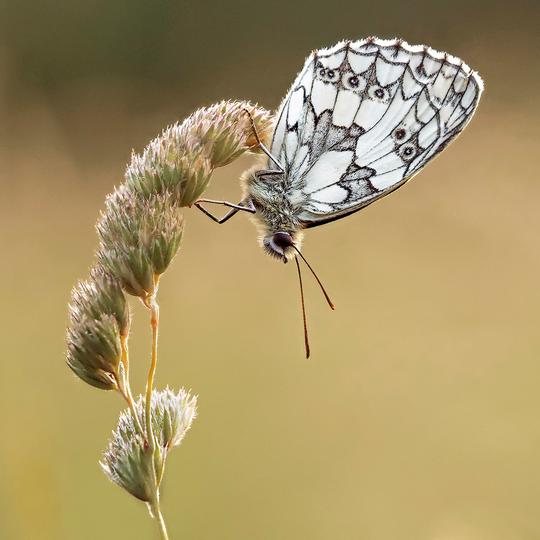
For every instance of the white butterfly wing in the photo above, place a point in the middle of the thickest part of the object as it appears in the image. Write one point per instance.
(363, 117)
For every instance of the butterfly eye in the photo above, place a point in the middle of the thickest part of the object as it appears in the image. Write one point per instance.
(407, 151)
(282, 239)
(322, 72)
(353, 81)
(379, 93)
(400, 134)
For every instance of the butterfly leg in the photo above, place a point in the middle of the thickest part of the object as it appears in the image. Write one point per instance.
(235, 208)
(260, 143)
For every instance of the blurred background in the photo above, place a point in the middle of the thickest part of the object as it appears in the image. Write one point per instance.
(417, 417)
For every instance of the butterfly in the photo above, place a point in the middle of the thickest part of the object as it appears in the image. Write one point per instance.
(360, 120)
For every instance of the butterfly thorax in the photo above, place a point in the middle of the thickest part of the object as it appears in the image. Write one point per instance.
(277, 211)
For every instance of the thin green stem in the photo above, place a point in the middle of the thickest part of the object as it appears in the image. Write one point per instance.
(158, 516)
(154, 322)
(125, 355)
(126, 394)
(125, 388)
(152, 304)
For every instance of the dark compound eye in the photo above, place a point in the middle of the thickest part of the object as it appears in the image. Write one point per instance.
(400, 134)
(322, 72)
(379, 93)
(330, 73)
(282, 239)
(353, 81)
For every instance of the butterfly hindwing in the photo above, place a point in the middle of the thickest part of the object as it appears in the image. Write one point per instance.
(363, 117)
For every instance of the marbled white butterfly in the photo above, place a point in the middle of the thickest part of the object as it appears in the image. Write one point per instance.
(360, 120)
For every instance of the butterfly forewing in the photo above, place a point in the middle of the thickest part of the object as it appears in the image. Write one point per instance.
(363, 117)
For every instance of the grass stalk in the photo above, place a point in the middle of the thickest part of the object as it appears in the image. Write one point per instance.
(125, 389)
(152, 304)
(156, 511)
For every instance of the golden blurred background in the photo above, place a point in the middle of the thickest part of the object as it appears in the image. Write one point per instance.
(418, 415)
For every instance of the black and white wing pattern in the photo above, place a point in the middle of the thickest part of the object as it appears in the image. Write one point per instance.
(363, 117)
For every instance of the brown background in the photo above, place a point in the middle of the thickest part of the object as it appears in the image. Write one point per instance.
(417, 417)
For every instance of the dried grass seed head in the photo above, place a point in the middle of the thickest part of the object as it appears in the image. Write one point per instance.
(100, 295)
(94, 351)
(172, 416)
(183, 157)
(139, 237)
(127, 460)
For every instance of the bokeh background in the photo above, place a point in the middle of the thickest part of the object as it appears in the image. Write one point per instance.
(418, 416)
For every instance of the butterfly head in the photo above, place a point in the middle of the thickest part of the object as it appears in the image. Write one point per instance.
(280, 244)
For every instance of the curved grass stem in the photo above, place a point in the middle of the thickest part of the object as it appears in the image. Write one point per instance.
(152, 304)
(158, 516)
(125, 387)
(154, 323)
(126, 394)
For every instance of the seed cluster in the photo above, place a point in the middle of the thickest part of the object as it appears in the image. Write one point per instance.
(128, 459)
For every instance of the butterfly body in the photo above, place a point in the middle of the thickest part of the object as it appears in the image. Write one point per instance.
(277, 210)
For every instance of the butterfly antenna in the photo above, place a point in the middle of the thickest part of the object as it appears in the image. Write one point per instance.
(306, 339)
(260, 143)
(330, 303)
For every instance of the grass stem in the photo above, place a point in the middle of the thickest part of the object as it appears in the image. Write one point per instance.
(152, 304)
(154, 323)
(158, 516)
(125, 387)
